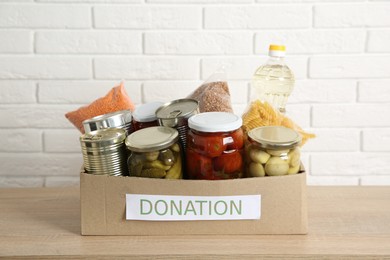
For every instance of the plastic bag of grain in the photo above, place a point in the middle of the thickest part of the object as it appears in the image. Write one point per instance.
(214, 95)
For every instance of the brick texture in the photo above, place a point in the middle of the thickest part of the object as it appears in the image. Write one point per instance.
(59, 55)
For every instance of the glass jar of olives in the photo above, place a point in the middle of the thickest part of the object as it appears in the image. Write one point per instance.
(272, 151)
(155, 153)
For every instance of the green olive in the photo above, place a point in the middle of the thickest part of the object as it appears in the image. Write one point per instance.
(293, 169)
(277, 152)
(152, 156)
(256, 170)
(258, 155)
(276, 166)
(294, 157)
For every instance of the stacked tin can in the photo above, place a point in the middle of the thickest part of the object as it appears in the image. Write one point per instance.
(175, 114)
(118, 119)
(104, 152)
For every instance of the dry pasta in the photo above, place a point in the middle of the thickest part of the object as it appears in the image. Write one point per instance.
(263, 114)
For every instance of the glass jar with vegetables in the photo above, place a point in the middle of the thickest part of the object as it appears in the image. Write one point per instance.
(272, 151)
(155, 153)
(215, 146)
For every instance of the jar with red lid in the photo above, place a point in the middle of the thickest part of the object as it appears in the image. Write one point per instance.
(144, 116)
(215, 146)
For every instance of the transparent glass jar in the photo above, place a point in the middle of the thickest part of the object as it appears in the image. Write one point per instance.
(155, 153)
(272, 151)
(145, 115)
(215, 146)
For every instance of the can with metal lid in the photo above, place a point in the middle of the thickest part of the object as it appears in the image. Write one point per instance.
(175, 114)
(272, 151)
(104, 151)
(215, 146)
(145, 115)
(155, 153)
(118, 119)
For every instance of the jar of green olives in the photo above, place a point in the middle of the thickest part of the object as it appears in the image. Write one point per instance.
(272, 151)
(155, 153)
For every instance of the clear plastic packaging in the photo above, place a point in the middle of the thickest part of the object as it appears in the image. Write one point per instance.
(214, 95)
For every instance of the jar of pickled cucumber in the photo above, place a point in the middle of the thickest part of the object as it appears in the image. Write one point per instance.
(272, 151)
(215, 146)
(155, 153)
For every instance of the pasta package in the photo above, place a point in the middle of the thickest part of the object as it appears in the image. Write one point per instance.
(115, 100)
(263, 114)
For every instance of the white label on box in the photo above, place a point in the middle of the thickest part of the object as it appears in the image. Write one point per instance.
(174, 208)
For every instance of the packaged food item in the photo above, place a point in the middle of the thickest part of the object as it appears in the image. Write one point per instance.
(118, 119)
(155, 153)
(115, 100)
(213, 95)
(145, 115)
(215, 146)
(175, 114)
(104, 151)
(274, 81)
(272, 151)
(263, 114)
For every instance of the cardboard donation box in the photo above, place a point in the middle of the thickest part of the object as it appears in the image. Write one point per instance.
(113, 205)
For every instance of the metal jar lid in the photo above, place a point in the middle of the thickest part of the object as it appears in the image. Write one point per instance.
(171, 114)
(110, 120)
(103, 137)
(152, 139)
(146, 112)
(275, 137)
(212, 122)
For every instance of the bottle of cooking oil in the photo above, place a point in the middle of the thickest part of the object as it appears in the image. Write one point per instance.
(274, 81)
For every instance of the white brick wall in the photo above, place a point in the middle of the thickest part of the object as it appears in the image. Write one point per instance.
(57, 55)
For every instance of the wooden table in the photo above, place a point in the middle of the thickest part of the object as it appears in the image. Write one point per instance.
(344, 222)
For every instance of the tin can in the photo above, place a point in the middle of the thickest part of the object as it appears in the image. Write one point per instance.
(215, 148)
(145, 115)
(118, 119)
(272, 151)
(175, 114)
(155, 153)
(104, 151)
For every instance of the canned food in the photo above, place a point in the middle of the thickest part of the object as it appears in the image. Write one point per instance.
(104, 151)
(118, 119)
(155, 153)
(272, 151)
(215, 146)
(175, 114)
(145, 115)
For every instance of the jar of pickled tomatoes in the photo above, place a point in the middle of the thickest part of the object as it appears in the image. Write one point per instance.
(215, 146)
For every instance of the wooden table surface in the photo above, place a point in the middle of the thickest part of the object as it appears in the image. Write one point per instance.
(344, 222)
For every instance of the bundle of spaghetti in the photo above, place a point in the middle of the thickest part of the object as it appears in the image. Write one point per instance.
(263, 114)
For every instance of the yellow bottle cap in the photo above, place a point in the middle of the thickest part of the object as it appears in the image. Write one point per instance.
(274, 47)
(277, 50)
